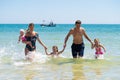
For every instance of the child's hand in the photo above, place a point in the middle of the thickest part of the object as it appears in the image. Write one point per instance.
(45, 47)
(92, 46)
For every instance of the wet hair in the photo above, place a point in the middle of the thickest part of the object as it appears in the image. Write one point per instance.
(31, 24)
(78, 22)
(55, 47)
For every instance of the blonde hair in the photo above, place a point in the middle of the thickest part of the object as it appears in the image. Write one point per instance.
(22, 30)
(97, 40)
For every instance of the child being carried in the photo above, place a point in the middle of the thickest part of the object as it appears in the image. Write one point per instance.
(22, 37)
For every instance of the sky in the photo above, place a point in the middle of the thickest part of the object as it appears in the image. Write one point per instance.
(60, 11)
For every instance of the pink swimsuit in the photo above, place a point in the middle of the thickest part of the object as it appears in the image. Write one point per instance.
(23, 38)
(98, 51)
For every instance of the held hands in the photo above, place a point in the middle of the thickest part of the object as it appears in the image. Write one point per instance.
(45, 50)
(92, 45)
(45, 47)
(63, 48)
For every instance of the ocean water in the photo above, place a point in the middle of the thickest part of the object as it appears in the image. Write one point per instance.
(13, 65)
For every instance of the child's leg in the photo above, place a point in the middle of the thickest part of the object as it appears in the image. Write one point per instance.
(26, 51)
(96, 56)
(29, 43)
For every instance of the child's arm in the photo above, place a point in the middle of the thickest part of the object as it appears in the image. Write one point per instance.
(26, 42)
(93, 46)
(19, 39)
(103, 48)
(61, 51)
(47, 52)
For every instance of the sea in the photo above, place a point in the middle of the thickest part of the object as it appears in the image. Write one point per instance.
(14, 66)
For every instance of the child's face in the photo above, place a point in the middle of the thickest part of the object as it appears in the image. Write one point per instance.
(54, 49)
(21, 33)
(96, 41)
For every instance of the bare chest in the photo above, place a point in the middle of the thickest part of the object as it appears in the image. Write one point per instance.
(77, 33)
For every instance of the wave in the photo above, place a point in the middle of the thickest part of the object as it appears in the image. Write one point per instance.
(15, 56)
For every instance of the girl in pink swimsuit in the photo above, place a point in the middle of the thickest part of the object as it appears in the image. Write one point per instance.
(98, 49)
(22, 37)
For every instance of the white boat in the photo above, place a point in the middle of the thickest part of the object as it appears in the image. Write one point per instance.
(51, 24)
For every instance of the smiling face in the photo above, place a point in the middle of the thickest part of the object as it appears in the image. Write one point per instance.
(21, 32)
(55, 49)
(96, 41)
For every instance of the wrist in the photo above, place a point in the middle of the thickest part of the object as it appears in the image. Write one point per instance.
(91, 42)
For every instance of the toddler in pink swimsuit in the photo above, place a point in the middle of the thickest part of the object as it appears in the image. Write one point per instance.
(98, 47)
(22, 37)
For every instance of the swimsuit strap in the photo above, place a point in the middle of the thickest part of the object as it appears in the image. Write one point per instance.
(98, 49)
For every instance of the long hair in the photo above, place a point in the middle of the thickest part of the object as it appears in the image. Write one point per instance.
(96, 39)
(28, 30)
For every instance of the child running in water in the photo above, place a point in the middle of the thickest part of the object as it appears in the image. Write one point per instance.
(55, 52)
(98, 46)
(22, 37)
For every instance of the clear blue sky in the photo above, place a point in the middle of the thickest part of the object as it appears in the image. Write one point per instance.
(60, 11)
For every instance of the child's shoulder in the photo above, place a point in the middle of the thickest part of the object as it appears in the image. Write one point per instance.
(100, 45)
(51, 53)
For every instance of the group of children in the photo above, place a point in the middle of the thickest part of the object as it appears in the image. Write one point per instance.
(97, 46)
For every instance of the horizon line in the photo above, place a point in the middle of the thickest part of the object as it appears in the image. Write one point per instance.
(62, 23)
